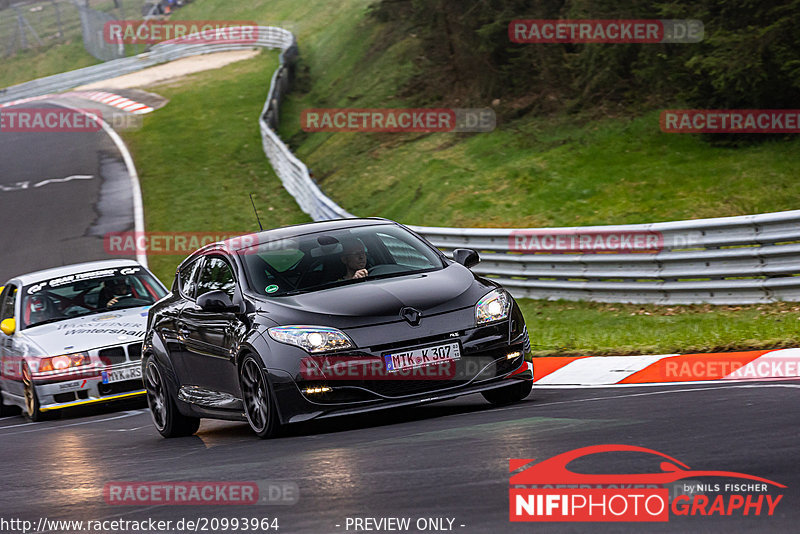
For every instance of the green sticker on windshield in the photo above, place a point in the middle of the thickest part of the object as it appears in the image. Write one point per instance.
(271, 289)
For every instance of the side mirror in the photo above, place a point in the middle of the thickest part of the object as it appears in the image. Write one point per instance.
(216, 301)
(466, 256)
(8, 326)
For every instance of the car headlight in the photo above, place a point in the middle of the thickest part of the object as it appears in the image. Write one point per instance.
(63, 362)
(494, 306)
(311, 338)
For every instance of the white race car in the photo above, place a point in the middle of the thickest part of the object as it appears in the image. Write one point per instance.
(72, 335)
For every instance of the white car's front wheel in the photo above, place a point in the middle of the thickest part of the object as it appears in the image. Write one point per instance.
(31, 399)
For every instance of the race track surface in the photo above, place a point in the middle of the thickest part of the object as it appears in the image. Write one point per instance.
(446, 460)
(60, 193)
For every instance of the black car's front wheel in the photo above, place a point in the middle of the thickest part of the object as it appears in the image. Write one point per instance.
(509, 394)
(169, 422)
(258, 405)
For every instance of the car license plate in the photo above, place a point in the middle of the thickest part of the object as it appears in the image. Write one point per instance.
(120, 375)
(422, 357)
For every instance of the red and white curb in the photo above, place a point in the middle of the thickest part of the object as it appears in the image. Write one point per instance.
(109, 99)
(589, 371)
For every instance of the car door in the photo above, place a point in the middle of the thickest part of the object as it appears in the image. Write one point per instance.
(209, 339)
(10, 349)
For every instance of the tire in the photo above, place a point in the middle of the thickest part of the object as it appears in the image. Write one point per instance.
(169, 422)
(509, 394)
(259, 406)
(32, 405)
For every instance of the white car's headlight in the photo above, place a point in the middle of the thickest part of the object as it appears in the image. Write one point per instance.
(311, 338)
(494, 306)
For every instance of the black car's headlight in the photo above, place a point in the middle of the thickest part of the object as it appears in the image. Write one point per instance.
(311, 338)
(494, 306)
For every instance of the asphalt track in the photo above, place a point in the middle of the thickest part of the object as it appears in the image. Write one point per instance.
(440, 460)
(60, 192)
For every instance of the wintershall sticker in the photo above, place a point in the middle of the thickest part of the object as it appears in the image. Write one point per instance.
(606, 31)
(394, 120)
(180, 31)
(730, 121)
(560, 242)
(549, 491)
(39, 120)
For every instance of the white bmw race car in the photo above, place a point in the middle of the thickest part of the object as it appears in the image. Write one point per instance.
(72, 335)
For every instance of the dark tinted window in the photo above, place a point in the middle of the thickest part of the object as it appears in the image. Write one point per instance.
(216, 275)
(10, 295)
(187, 278)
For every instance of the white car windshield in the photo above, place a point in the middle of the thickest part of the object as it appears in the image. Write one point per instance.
(80, 294)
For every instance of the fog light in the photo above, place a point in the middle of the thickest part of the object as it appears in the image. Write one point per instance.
(323, 389)
(512, 355)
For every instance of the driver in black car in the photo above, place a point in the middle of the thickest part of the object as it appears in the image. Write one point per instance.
(354, 257)
(113, 290)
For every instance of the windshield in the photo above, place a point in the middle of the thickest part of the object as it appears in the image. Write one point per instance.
(79, 294)
(328, 259)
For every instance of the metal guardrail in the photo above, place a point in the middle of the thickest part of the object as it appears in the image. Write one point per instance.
(730, 260)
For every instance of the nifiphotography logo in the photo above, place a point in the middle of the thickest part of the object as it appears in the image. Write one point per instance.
(549, 491)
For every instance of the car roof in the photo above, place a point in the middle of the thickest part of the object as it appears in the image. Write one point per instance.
(294, 230)
(38, 276)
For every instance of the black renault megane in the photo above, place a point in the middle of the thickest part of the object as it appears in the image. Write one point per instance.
(327, 319)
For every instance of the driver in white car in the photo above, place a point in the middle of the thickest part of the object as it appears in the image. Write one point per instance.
(113, 290)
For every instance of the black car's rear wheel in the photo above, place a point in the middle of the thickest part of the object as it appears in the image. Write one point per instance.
(258, 405)
(169, 422)
(31, 399)
(509, 394)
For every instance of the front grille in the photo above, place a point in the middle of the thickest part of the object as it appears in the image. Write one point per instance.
(135, 351)
(64, 397)
(120, 387)
(112, 355)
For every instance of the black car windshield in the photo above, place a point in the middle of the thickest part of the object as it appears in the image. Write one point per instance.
(78, 294)
(323, 260)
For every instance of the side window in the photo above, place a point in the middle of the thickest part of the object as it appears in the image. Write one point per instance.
(187, 278)
(7, 306)
(216, 275)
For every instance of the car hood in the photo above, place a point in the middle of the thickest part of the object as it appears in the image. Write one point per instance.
(89, 332)
(380, 300)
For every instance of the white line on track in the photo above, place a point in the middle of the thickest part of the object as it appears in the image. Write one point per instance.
(664, 392)
(136, 190)
(128, 413)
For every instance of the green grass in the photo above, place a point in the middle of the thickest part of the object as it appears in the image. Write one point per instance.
(36, 63)
(199, 157)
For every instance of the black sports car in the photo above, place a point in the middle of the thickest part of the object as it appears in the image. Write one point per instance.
(327, 319)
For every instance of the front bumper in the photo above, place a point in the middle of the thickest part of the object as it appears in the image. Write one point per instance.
(491, 357)
(82, 391)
